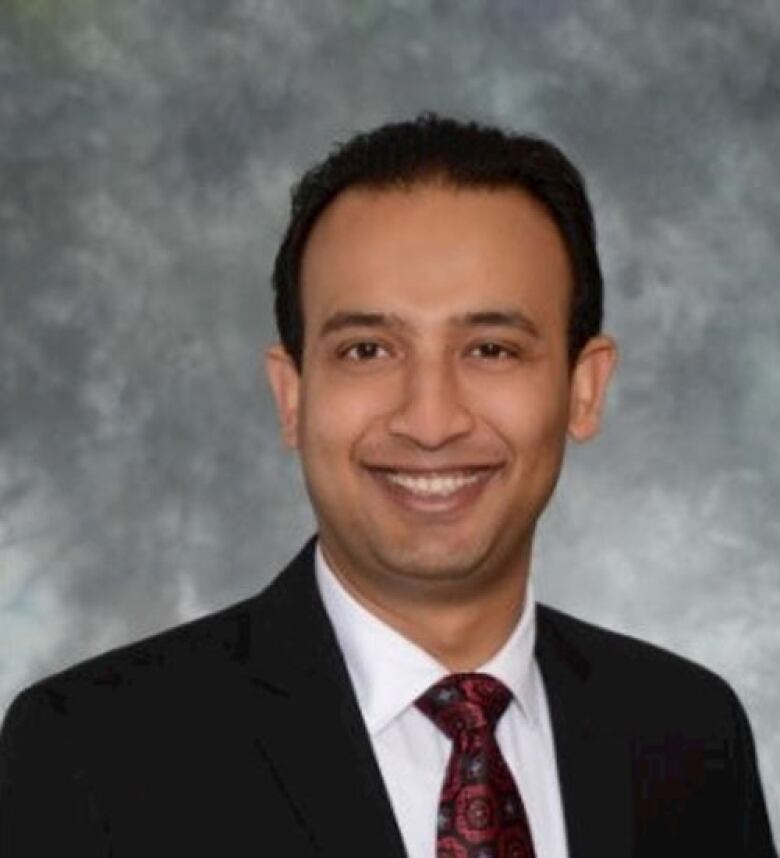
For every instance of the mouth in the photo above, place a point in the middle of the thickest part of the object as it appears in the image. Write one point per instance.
(445, 490)
(435, 483)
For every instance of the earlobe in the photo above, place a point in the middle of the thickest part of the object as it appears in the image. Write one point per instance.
(590, 379)
(284, 380)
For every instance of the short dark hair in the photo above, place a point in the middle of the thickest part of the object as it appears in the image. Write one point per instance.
(464, 154)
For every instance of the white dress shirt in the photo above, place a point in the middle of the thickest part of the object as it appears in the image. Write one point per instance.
(389, 673)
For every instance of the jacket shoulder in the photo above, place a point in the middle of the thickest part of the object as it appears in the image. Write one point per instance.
(186, 656)
(641, 680)
(191, 660)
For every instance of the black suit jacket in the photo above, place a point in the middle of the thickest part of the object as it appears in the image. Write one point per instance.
(239, 734)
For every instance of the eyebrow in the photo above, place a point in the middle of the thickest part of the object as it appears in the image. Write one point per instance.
(498, 319)
(354, 319)
(484, 318)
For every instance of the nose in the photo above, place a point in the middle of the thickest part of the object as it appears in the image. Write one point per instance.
(433, 410)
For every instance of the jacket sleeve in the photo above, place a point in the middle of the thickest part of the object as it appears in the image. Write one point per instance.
(46, 805)
(756, 834)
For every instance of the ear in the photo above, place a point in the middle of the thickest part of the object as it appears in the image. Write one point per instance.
(285, 383)
(590, 378)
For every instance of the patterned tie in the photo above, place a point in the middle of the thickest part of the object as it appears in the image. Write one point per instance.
(481, 814)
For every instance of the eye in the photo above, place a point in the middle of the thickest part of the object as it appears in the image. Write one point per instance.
(493, 351)
(363, 351)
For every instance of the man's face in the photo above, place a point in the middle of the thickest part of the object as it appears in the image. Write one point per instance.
(435, 395)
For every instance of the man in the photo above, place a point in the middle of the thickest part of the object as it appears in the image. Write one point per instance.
(397, 690)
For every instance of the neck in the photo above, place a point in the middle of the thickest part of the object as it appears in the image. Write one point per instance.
(462, 634)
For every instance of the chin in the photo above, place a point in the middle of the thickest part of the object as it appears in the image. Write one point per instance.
(431, 562)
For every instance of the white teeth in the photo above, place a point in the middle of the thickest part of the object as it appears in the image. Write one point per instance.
(435, 485)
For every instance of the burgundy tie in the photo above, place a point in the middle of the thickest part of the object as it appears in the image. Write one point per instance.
(481, 814)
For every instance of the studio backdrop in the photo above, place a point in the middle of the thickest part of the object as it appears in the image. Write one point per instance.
(146, 154)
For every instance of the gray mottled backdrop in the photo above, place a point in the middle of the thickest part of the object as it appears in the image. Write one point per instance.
(146, 153)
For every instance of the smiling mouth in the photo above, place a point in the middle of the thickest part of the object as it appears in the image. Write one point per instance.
(435, 484)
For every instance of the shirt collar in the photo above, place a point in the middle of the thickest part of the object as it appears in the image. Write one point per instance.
(389, 672)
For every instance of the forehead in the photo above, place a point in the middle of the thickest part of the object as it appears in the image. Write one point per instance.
(430, 244)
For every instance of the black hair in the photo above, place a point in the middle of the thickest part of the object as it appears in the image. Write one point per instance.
(463, 154)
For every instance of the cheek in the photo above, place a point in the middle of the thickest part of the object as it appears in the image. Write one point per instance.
(529, 415)
(335, 418)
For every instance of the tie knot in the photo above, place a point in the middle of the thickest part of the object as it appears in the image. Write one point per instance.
(463, 702)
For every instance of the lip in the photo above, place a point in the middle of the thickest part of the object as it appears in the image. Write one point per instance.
(442, 506)
(431, 471)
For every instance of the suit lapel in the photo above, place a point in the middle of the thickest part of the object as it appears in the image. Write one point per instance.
(593, 759)
(308, 725)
